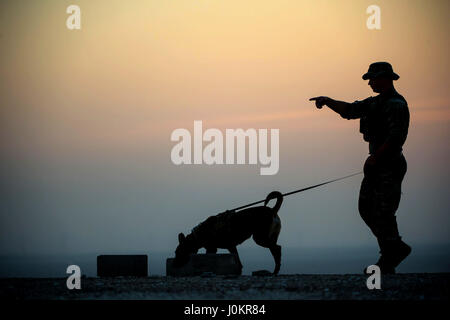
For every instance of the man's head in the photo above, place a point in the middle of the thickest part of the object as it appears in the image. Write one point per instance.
(380, 84)
(380, 76)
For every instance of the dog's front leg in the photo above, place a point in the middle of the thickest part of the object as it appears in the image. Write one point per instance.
(234, 250)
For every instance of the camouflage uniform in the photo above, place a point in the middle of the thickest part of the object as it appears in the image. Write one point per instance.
(384, 118)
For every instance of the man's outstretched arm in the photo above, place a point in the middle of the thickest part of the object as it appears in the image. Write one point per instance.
(340, 107)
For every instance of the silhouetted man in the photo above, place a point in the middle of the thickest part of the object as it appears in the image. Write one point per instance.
(384, 122)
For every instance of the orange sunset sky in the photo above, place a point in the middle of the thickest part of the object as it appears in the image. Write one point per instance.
(87, 116)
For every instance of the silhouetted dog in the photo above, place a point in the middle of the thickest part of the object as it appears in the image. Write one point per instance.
(229, 229)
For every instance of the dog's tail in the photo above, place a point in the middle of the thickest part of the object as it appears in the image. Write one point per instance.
(274, 195)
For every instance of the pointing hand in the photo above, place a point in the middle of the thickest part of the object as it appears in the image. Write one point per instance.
(320, 101)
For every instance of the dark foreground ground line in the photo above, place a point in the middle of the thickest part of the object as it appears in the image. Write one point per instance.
(408, 286)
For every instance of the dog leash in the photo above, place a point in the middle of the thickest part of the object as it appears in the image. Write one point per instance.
(300, 190)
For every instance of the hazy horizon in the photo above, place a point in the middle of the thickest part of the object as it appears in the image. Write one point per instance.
(324, 260)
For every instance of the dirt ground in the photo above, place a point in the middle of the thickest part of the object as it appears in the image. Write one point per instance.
(426, 286)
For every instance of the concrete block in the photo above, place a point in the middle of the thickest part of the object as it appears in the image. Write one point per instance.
(219, 264)
(122, 265)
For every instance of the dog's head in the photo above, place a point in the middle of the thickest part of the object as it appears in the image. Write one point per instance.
(183, 250)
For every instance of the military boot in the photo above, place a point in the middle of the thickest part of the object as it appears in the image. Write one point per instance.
(393, 252)
(397, 252)
(385, 266)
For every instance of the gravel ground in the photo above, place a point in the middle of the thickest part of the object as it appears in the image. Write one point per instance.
(426, 286)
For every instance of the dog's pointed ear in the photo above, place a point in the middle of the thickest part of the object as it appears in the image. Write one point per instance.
(181, 238)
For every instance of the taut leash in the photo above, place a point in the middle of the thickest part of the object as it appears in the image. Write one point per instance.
(300, 190)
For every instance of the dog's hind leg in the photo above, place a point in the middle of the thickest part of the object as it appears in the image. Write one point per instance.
(234, 250)
(274, 248)
(276, 253)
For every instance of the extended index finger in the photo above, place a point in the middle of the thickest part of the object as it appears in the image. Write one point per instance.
(313, 99)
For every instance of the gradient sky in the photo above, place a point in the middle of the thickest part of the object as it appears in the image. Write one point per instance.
(86, 117)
